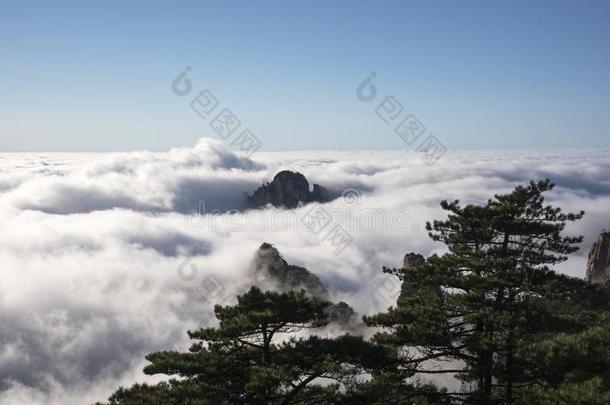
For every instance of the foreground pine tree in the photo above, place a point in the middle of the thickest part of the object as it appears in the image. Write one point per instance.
(570, 368)
(253, 357)
(474, 312)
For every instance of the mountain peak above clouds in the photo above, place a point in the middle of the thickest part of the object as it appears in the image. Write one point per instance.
(287, 190)
(271, 271)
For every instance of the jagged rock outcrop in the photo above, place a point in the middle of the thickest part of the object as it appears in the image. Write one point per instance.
(271, 271)
(287, 190)
(598, 264)
(410, 261)
(341, 313)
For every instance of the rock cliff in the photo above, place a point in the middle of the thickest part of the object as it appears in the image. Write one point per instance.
(598, 264)
(271, 271)
(287, 190)
(410, 261)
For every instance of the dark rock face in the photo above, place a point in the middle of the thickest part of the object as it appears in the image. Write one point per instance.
(271, 271)
(288, 190)
(319, 194)
(410, 261)
(341, 313)
(598, 264)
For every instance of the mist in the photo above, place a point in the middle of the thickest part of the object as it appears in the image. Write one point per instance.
(107, 257)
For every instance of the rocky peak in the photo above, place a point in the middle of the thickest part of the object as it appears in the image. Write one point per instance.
(272, 271)
(598, 264)
(288, 190)
(341, 313)
(410, 261)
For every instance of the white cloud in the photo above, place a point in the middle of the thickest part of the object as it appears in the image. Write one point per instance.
(90, 245)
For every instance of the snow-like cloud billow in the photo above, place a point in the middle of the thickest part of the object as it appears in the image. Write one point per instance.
(107, 257)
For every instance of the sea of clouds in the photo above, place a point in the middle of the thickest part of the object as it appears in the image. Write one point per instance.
(107, 257)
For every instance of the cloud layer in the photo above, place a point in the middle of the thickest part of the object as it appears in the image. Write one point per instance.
(107, 257)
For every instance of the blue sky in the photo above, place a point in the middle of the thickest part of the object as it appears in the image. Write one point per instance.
(96, 75)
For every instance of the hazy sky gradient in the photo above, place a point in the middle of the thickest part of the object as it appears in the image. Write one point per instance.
(95, 76)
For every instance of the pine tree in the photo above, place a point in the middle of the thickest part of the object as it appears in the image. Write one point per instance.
(475, 308)
(254, 357)
(571, 369)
